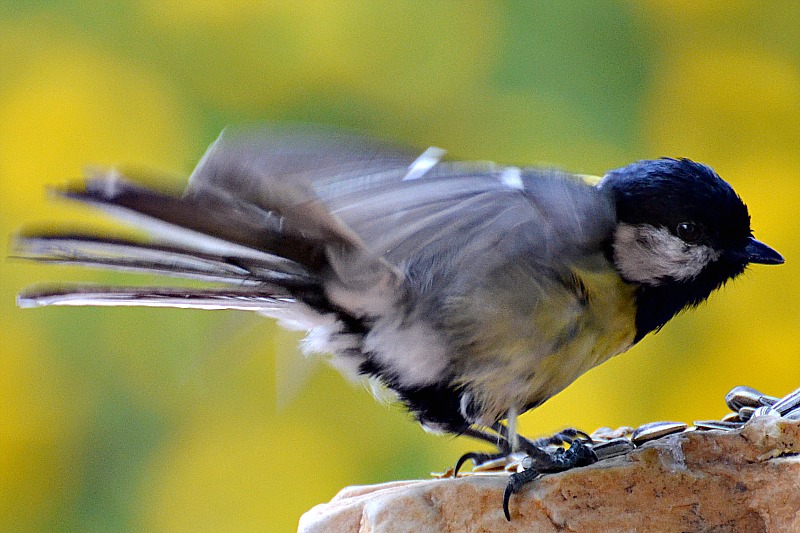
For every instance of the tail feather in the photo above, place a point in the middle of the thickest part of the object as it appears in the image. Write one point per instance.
(132, 256)
(283, 243)
(208, 222)
(245, 300)
(201, 236)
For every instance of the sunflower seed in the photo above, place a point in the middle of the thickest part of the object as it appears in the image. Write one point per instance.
(717, 424)
(656, 430)
(792, 415)
(788, 402)
(768, 400)
(493, 465)
(765, 411)
(742, 396)
(606, 433)
(613, 448)
(734, 417)
(745, 413)
(601, 434)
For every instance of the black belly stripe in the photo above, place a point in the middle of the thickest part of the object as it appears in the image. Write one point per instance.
(438, 404)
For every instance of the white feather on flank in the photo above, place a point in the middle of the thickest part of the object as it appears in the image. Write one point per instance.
(651, 255)
(433, 428)
(414, 352)
(324, 337)
(324, 331)
(410, 352)
(381, 392)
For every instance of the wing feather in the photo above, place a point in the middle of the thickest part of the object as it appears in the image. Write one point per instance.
(315, 203)
(362, 183)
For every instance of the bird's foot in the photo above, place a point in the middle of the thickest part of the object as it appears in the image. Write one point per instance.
(525, 447)
(541, 461)
(566, 449)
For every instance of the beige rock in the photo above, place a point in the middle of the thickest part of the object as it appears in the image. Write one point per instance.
(741, 481)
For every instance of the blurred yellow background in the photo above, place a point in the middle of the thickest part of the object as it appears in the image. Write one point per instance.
(166, 420)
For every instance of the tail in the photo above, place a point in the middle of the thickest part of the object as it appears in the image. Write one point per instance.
(278, 260)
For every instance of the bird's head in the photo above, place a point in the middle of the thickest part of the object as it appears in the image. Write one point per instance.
(680, 225)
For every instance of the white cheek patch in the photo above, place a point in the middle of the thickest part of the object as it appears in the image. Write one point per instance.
(651, 255)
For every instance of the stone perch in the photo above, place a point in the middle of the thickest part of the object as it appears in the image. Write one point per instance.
(747, 480)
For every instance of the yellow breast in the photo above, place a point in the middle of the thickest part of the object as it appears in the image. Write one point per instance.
(534, 342)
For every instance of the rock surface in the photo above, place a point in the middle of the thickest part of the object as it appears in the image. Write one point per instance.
(746, 480)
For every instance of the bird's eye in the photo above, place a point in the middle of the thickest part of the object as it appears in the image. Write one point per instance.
(689, 232)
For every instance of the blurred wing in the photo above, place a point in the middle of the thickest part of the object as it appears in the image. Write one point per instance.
(401, 205)
(296, 209)
(292, 154)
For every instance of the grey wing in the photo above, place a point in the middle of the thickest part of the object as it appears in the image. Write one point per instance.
(292, 153)
(474, 214)
(403, 205)
(276, 206)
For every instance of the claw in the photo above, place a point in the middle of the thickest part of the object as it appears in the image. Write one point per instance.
(463, 459)
(506, 498)
(478, 458)
(515, 483)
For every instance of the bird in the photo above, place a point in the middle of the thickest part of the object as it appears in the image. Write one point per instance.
(471, 291)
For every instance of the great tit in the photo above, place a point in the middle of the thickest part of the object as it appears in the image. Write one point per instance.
(472, 291)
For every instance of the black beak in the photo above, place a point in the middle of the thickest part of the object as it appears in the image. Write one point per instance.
(758, 252)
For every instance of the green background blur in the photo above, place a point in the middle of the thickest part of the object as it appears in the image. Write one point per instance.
(166, 420)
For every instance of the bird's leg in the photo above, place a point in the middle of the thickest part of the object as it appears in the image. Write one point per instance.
(539, 460)
(498, 435)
